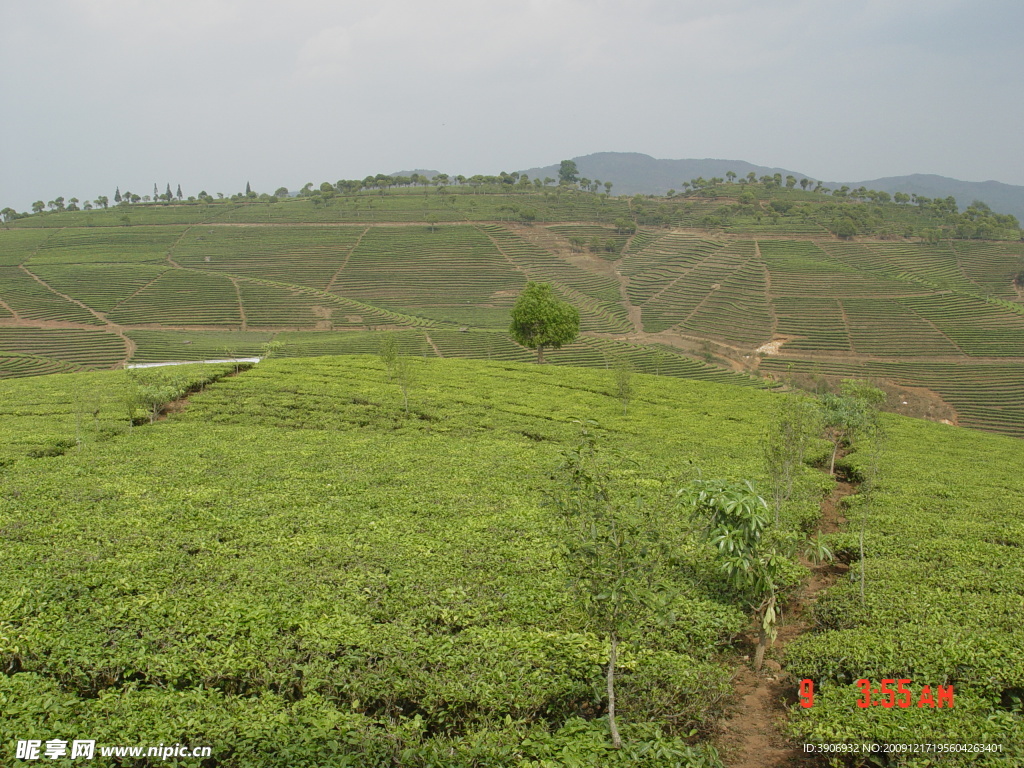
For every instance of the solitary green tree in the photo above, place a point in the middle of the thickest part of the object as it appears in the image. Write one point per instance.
(388, 350)
(540, 320)
(568, 173)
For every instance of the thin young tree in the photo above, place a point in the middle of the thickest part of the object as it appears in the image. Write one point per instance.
(231, 353)
(398, 366)
(873, 439)
(403, 373)
(610, 553)
(388, 351)
(272, 349)
(785, 445)
(624, 383)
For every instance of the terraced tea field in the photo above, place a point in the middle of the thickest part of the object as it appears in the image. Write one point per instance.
(292, 570)
(185, 281)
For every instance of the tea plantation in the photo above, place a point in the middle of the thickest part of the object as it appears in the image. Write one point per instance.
(749, 277)
(294, 571)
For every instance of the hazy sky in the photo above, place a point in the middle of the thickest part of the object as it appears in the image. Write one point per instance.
(213, 93)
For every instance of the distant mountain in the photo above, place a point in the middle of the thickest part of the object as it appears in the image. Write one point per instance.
(633, 172)
(420, 171)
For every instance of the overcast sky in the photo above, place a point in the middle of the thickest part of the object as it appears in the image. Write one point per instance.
(214, 93)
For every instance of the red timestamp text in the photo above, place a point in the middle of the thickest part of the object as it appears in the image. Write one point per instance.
(890, 693)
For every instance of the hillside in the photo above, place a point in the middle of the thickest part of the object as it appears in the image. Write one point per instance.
(1008, 198)
(724, 282)
(291, 570)
(636, 173)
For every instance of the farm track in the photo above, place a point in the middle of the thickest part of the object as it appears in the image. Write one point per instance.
(939, 331)
(685, 273)
(753, 736)
(136, 293)
(129, 345)
(768, 294)
(512, 262)
(179, 405)
(958, 256)
(593, 264)
(176, 243)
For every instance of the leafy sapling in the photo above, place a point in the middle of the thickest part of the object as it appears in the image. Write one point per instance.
(150, 392)
(272, 349)
(231, 354)
(736, 519)
(849, 415)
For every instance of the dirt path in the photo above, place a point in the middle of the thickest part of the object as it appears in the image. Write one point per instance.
(939, 331)
(179, 405)
(344, 263)
(177, 242)
(64, 296)
(753, 736)
(14, 315)
(846, 325)
(509, 259)
(129, 345)
(241, 304)
(768, 295)
(433, 346)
